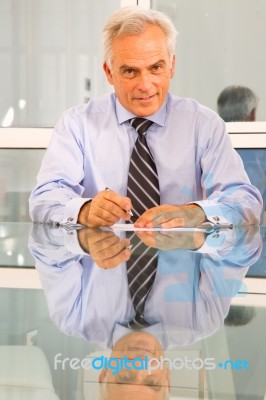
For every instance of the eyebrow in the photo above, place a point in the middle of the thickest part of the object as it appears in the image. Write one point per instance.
(154, 388)
(125, 66)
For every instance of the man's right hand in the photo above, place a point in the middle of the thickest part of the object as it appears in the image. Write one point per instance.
(105, 248)
(105, 209)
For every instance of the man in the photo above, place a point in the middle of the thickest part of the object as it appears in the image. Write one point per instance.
(141, 383)
(237, 103)
(200, 176)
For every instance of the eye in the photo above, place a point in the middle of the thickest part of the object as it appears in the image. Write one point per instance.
(124, 377)
(152, 381)
(157, 68)
(129, 72)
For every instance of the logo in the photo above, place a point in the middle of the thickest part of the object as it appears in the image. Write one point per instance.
(150, 364)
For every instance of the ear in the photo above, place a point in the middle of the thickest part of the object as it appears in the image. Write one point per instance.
(253, 115)
(169, 381)
(108, 73)
(102, 376)
(173, 67)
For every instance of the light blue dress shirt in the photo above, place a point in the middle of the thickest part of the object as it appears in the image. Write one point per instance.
(91, 147)
(189, 300)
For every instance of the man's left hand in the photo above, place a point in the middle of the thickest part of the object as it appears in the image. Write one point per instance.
(169, 216)
(171, 240)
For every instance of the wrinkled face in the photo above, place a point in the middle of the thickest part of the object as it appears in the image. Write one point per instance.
(136, 384)
(141, 71)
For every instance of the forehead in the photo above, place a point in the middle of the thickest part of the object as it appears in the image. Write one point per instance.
(133, 392)
(147, 46)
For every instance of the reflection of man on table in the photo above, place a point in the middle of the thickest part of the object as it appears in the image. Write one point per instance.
(129, 384)
(190, 297)
(194, 173)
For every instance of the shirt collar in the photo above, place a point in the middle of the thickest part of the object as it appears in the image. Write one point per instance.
(124, 115)
(155, 330)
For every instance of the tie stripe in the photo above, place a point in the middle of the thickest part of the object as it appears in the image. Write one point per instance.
(144, 177)
(150, 198)
(141, 271)
(143, 183)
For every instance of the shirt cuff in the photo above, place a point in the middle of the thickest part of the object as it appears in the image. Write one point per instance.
(72, 243)
(72, 210)
(213, 212)
(218, 242)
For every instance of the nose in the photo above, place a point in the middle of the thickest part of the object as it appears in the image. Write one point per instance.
(144, 81)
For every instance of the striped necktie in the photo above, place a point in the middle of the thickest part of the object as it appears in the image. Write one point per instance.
(143, 183)
(141, 271)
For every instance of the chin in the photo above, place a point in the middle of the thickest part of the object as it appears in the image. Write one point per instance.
(146, 111)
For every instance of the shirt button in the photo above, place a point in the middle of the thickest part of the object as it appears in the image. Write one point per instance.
(70, 219)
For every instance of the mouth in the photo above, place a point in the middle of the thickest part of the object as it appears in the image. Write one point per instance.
(145, 99)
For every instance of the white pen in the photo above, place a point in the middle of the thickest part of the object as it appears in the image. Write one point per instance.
(129, 212)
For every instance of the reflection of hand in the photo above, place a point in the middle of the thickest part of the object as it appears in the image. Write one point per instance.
(168, 216)
(105, 209)
(106, 249)
(168, 240)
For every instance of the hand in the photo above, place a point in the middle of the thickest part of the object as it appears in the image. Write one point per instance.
(169, 240)
(168, 216)
(106, 249)
(105, 209)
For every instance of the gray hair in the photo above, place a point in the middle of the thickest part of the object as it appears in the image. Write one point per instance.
(133, 21)
(235, 103)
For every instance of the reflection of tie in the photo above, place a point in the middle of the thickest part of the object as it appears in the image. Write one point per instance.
(143, 183)
(141, 271)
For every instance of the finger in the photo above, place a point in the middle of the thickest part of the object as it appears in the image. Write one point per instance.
(146, 238)
(115, 261)
(114, 255)
(146, 218)
(155, 218)
(97, 235)
(122, 202)
(95, 221)
(111, 212)
(104, 244)
(173, 223)
(107, 210)
(113, 249)
(158, 240)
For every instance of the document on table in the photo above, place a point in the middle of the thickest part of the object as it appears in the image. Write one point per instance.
(131, 227)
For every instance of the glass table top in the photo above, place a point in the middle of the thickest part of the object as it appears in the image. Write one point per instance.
(83, 315)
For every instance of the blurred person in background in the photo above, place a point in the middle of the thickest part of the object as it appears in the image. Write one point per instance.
(239, 104)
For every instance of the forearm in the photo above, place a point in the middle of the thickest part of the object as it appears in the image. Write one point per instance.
(55, 205)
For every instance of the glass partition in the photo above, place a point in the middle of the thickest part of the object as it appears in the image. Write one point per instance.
(50, 57)
(18, 170)
(219, 44)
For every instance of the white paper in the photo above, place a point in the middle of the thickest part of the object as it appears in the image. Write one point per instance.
(131, 227)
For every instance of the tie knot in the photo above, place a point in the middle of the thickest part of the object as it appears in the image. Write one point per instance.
(141, 125)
